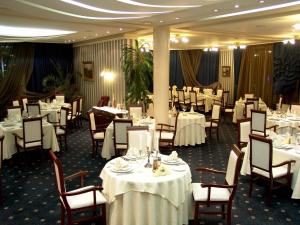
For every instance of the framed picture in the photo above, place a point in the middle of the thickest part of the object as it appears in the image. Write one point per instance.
(226, 71)
(88, 70)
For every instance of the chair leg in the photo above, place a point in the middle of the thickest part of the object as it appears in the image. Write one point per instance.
(196, 213)
(104, 214)
(217, 133)
(66, 146)
(250, 185)
(229, 214)
(223, 211)
(62, 216)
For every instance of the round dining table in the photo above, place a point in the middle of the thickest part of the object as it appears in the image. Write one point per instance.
(140, 197)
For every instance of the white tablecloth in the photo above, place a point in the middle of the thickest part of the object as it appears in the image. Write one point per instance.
(9, 147)
(208, 100)
(289, 121)
(111, 110)
(238, 112)
(190, 128)
(108, 148)
(280, 155)
(140, 198)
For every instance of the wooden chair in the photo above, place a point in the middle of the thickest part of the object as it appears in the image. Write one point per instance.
(243, 132)
(97, 131)
(255, 102)
(167, 133)
(197, 103)
(24, 101)
(61, 126)
(33, 109)
(258, 123)
(14, 112)
(248, 107)
(60, 98)
(183, 101)
(207, 194)
(1, 162)
(15, 102)
(295, 108)
(137, 137)
(88, 198)
(32, 137)
(103, 101)
(213, 122)
(136, 110)
(120, 135)
(73, 117)
(248, 95)
(261, 165)
(79, 109)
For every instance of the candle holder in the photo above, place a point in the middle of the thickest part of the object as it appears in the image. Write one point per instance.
(148, 164)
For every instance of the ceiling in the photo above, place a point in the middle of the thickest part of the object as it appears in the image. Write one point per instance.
(210, 23)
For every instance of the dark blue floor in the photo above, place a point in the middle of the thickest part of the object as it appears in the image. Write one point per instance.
(30, 196)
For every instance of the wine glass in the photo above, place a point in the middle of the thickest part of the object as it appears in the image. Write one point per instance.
(183, 108)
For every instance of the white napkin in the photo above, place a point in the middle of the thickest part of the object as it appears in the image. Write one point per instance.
(192, 109)
(240, 100)
(120, 164)
(173, 156)
(260, 100)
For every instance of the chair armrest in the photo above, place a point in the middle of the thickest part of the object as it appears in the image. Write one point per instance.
(217, 185)
(17, 136)
(93, 188)
(205, 169)
(272, 127)
(80, 174)
(164, 125)
(289, 162)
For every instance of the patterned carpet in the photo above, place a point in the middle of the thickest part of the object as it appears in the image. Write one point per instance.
(31, 197)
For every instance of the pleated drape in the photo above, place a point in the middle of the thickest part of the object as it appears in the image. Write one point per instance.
(190, 62)
(256, 72)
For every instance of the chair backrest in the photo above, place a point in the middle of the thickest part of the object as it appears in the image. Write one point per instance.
(225, 98)
(295, 108)
(14, 113)
(216, 111)
(15, 103)
(170, 95)
(180, 94)
(248, 95)
(219, 92)
(248, 107)
(60, 98)
(197, 89)
(188, 88)
(120, 130)
(233, 167)
(207, 91)
(174, 87)
(258, 122)
(137, 137)
(74, 107)
(33, 109)
(1, 151)
(243, 131)
(184, 88)
(193, 97)
(261, 153)
(79, 104)
(103, 101)
(92, 121)
(59, 177)
(63, 116)
(24, 103)
(32, 130)
(255, 102)
(280, 102)
(136, 110)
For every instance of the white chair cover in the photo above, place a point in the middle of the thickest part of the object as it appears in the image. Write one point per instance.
(231, 166)
(260, 154)
(33, 110)
(244, 131)
(60, 98)
(136, 111)
(33, 130)
(14, 113)
(216, 112)
(248, 110)
(258, 121)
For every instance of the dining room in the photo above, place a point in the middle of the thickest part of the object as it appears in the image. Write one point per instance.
(146, 112)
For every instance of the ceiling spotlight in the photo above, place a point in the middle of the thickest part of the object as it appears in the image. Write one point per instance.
(243, 46)
(177, 18)
(108, 32)
(161, 21)
(232, 47)
(285, 41)
(206, 49)
(216, 10)
(292, 41)
(261, 1)
(184, 39)
(120, 28)
(84, 37)
(236, 6)
(296, 26)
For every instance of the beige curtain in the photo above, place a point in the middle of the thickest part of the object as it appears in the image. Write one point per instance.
(256, 72)
(190, 63)
(18, 74)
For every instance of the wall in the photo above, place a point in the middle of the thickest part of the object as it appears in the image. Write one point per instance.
(104, 54)
(226, 59)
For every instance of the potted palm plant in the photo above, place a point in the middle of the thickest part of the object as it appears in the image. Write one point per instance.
(137, 64)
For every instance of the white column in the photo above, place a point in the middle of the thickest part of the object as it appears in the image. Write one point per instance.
(161, 61)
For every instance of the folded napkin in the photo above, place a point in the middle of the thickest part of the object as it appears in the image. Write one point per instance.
(240, 100)
(121, 164)
(260, 100)
(192, 109)
(173, 156)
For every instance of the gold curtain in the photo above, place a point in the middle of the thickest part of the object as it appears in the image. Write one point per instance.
(18, 74)
(190, 63)
(256, 72)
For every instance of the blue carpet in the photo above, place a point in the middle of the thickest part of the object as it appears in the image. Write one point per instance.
(30, 196)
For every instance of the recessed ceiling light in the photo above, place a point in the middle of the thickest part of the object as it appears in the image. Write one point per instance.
(184, 39)
(243, 46)
(296, 26)
(120, 28)
(84, 37)
(97, 9)
(216, 10)
(261, 1)
(236, 6)
(177, 18)
(96, 34)
(31, 32)
(108, 32)
(161, 21)
(130, 2)
(147, 23)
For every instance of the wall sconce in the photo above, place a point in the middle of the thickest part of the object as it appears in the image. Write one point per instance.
(291, 41)
(107, 74)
